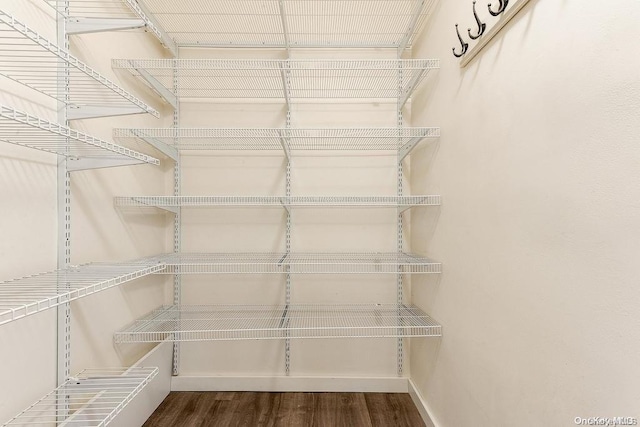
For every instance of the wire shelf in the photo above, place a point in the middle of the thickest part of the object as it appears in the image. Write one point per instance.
(281, 79)
(30, 59)
(92, 398)
(293, 23)
(251, 322)
(26, 130)
(33, 294)
(276, 201)
(296, 263)
(280, 139)
(97, 9)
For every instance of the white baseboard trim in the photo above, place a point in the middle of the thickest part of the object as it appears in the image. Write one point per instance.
(290, 384)
(421, 404)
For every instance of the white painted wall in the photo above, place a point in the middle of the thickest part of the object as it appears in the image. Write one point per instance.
(99, 232)
(538, 232)
(28, 243)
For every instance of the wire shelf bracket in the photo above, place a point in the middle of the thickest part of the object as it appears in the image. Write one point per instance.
(87, 163)
(165, 149)
(285, 74)
(30, 295)
(406, 149)
(291, 321)
(90, 93)
(82, 151)
(411, 30)
(164, 93)
(81, 112)
(91, 398)
(98, 25)
(408, 91)
(285, 27)
(285, 141)
(153, 24)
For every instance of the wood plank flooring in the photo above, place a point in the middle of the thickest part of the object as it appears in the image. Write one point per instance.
(205, 409)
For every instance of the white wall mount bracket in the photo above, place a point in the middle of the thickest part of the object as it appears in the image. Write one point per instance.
(80, 112)
(98, 25)
(165, 149)
(87, 163)
(166, 94)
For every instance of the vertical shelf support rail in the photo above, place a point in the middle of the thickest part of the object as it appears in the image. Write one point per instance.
(177, 220)
(287, 87)
(64, 214)
(400, 225)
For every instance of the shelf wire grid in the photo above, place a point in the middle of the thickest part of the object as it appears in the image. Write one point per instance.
(277, 201)
(185, 139)
(300, 23)
(30, 59)
(96, 9)
(33, 294)
(92, 398)
(308, 79)
(296, 263)
(252, 322)
(23, 129)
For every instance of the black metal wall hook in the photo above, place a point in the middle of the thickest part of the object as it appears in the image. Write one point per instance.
(465, 46)
(481, 25)
(501, 7)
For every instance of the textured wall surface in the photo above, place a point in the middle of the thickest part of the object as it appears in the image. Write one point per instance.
(538, 232)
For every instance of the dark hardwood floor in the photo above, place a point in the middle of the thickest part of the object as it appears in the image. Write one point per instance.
(195, 409)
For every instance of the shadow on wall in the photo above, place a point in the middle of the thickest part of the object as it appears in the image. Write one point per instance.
(498, 38)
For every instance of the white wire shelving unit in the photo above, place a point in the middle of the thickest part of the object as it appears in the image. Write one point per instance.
(91, 398)
(292, 23)
(288, 141)
(30, 59)
(30, 295)
(292, 321)
(82, 150)
(296, 263)
(173, 202)
(287, 80)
